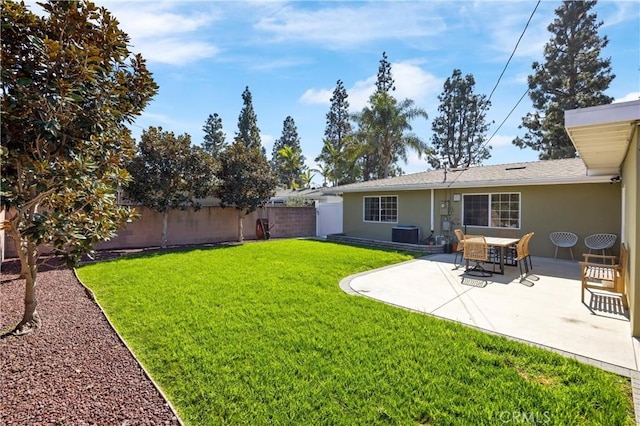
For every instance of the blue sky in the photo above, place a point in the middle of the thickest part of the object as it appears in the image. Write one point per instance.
(291, 54)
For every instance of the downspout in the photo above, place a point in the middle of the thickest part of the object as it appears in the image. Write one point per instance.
(433, 203)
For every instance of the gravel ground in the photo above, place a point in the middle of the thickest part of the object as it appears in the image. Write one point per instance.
(73, 370)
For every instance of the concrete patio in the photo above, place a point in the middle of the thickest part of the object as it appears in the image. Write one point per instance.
(544, 310)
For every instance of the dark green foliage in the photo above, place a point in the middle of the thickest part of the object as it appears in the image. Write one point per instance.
(287, 159)
(246, 180)
(339, 150)
(384, 82)
(384, 131)
(572, 76)
(69, 87)
(248, 132)
(459, 131)
(214, 137)
(169, 173)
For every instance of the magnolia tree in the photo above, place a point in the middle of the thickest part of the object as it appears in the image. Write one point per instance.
(169, 173)
(246, 181)
(69, 87)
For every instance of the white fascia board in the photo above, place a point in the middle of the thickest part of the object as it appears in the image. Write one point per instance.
(610, 113)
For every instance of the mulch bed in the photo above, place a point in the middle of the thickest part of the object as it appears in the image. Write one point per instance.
(74, 369)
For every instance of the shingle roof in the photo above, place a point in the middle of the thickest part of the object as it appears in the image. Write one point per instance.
(547, 172)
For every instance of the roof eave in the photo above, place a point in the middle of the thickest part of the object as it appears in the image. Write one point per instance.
(601, 178)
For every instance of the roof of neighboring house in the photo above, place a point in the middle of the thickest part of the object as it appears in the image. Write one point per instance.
(307, 193)
(549, 172)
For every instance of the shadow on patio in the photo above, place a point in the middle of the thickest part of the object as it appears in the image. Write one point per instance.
(544, 310)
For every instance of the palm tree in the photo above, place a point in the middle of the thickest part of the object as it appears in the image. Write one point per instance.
(306, 177)
(384, 126)
(291, 162)
(325, 172)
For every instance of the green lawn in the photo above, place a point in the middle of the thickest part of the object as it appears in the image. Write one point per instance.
(261, 334)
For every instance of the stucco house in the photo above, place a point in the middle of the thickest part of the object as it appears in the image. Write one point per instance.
(596, 193)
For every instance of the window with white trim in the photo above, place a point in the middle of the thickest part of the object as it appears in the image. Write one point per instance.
(381, 209)
(500, 210)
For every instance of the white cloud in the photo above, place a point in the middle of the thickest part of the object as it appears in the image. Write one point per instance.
(501, 140)
(414, 83)
(146, 23)
(317, 96)
(411, 82)
(166, 32)
(174, 51)
(360, 92)
(351, 26)
(632, 96)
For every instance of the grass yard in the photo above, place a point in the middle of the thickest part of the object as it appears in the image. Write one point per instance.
(261, 334)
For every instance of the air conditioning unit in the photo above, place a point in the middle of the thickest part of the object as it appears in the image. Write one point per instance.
(405, 234)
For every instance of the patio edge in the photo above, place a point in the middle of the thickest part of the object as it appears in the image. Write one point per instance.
(345, 285)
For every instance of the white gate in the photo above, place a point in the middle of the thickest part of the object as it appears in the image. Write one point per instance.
(328, 219)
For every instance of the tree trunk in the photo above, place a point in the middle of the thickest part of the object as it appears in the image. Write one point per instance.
(28, 254)
(240, 219)
(165, 219)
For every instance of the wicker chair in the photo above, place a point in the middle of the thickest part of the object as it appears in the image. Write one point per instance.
(563, 239)
(459, 247)
(600, 242)
(522, 250)
(476, 250)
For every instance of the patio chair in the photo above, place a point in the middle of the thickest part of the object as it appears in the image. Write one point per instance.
(459, 247)
(606, 275)
(563, 239)
(522, 254)
(600, 242)
(476, 250)
(528, 238)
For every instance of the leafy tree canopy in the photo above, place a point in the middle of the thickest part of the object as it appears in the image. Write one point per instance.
(69, 87)
(385, 129)
(248, 132)
(215, 140)
(340, 150)
(246, 180)
(459, 130)
(287, 159)
(572, 76)
(169, 173)
(384, 80)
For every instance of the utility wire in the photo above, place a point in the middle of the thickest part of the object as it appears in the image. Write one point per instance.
(506, 118)
(513, 52)
(524, 30)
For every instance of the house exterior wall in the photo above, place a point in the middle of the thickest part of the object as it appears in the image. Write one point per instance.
(413, 209)
(631, 183)
(583, 209)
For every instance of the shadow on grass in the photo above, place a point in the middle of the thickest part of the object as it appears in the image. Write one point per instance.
(109, 255)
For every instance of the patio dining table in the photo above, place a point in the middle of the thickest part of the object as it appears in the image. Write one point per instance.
(501, 243)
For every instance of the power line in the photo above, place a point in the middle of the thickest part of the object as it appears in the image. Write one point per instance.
(506, 118)
(513, 52)
(524, 30)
